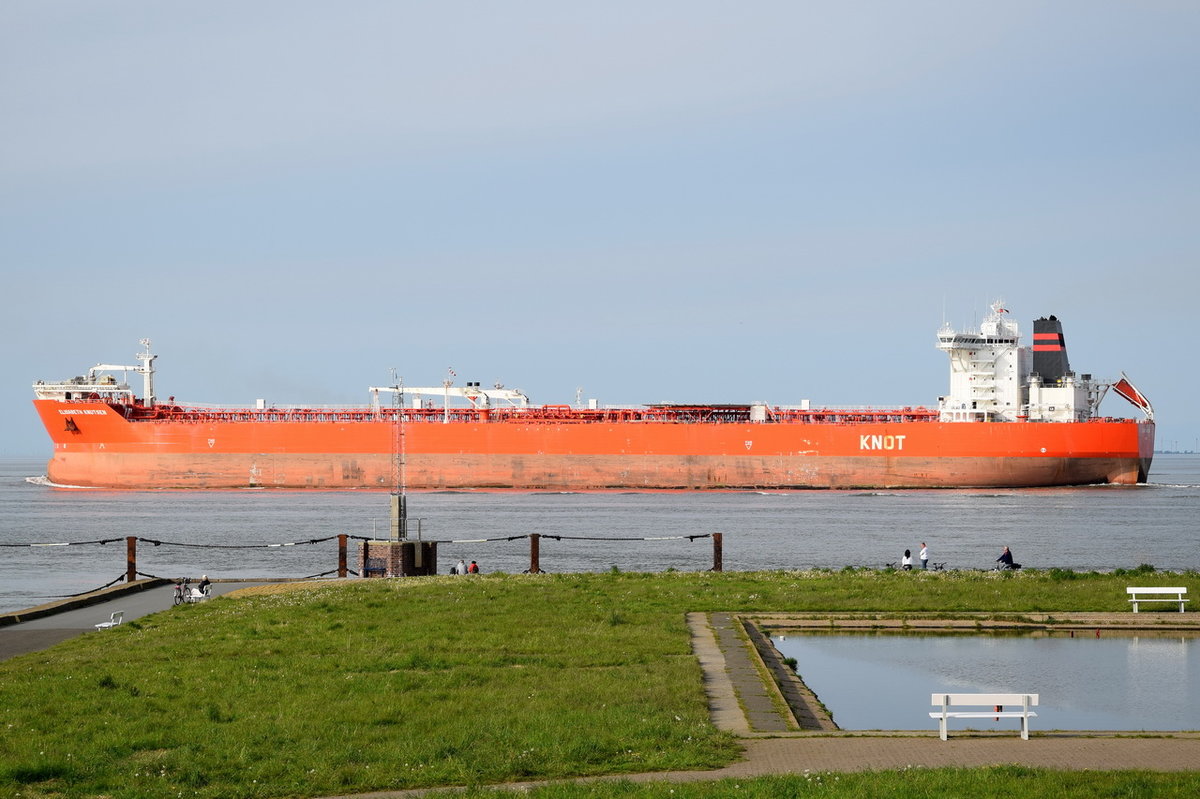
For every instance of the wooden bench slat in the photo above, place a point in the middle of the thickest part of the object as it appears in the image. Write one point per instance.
(982, 714)
(982, 699)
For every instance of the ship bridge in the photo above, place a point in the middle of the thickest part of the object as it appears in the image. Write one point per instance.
(986, 370)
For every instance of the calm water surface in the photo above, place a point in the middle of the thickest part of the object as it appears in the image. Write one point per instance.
(1101, 527)
(883, 682)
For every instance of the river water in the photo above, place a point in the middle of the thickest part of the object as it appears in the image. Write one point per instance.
(1099, 527)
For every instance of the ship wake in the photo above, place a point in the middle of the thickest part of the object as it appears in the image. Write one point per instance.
(44, 480)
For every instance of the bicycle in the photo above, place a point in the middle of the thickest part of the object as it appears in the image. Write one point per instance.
(181, 590)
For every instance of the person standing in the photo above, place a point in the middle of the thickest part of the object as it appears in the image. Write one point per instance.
(923, 556)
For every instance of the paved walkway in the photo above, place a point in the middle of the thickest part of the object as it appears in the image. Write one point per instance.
(67, 619)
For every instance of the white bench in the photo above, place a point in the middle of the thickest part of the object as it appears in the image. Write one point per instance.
(194, 595)
(947, 701)
(114, 620)
(1177, 592)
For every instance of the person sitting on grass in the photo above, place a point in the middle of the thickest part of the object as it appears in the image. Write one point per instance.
(1006, 560)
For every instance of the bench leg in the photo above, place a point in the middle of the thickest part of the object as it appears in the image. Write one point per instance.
(1024, 728)
(1135, 606)
(942, 727)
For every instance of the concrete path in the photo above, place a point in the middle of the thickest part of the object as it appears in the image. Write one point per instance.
(812, 755)
(57, 622)
(1069, 752)
(761, 707)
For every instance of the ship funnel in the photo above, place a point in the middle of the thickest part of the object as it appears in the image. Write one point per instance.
(1049, 350)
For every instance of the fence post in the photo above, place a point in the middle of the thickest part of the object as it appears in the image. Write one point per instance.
(365, 551)
(534, 553)
(130, 558)
(717, 554)
(341, 554)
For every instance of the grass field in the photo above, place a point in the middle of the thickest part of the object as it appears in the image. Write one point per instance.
(337, 688)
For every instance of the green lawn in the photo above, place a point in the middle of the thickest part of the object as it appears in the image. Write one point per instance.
(371, 685)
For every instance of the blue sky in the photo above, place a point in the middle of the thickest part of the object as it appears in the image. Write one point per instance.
(652, 201)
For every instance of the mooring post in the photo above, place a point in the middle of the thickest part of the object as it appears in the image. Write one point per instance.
(130, 558)
(534, 553)
(717, 554)
(342, 554)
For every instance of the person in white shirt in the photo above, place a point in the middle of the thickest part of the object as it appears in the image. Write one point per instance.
(924, 556)
(906, 561)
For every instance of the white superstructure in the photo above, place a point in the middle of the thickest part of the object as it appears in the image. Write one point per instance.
(100, 383)
(994, 379)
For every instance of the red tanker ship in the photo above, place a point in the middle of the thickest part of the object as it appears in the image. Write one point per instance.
(1014, 417)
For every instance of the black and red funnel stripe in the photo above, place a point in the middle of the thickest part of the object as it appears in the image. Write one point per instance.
(1049, 350)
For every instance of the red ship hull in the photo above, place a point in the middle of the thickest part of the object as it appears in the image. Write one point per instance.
(97, 444)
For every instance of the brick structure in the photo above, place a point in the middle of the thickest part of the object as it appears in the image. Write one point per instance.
(397, 558)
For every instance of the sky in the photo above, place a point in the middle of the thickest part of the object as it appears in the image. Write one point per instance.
(635, 202)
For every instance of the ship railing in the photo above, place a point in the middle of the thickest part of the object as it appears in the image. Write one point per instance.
(209, 406)
(80, 392)
(854, 408)
(566, 408)
(854, 415)
(558, 414)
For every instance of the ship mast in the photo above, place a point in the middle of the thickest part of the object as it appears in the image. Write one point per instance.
(480, 398)
(399, 487)
(146, 369)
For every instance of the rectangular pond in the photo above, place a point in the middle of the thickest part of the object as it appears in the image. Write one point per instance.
(883, 681)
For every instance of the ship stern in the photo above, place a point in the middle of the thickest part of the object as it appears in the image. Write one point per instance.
(1145, 450)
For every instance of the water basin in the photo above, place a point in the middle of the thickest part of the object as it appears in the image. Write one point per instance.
(883, 681)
